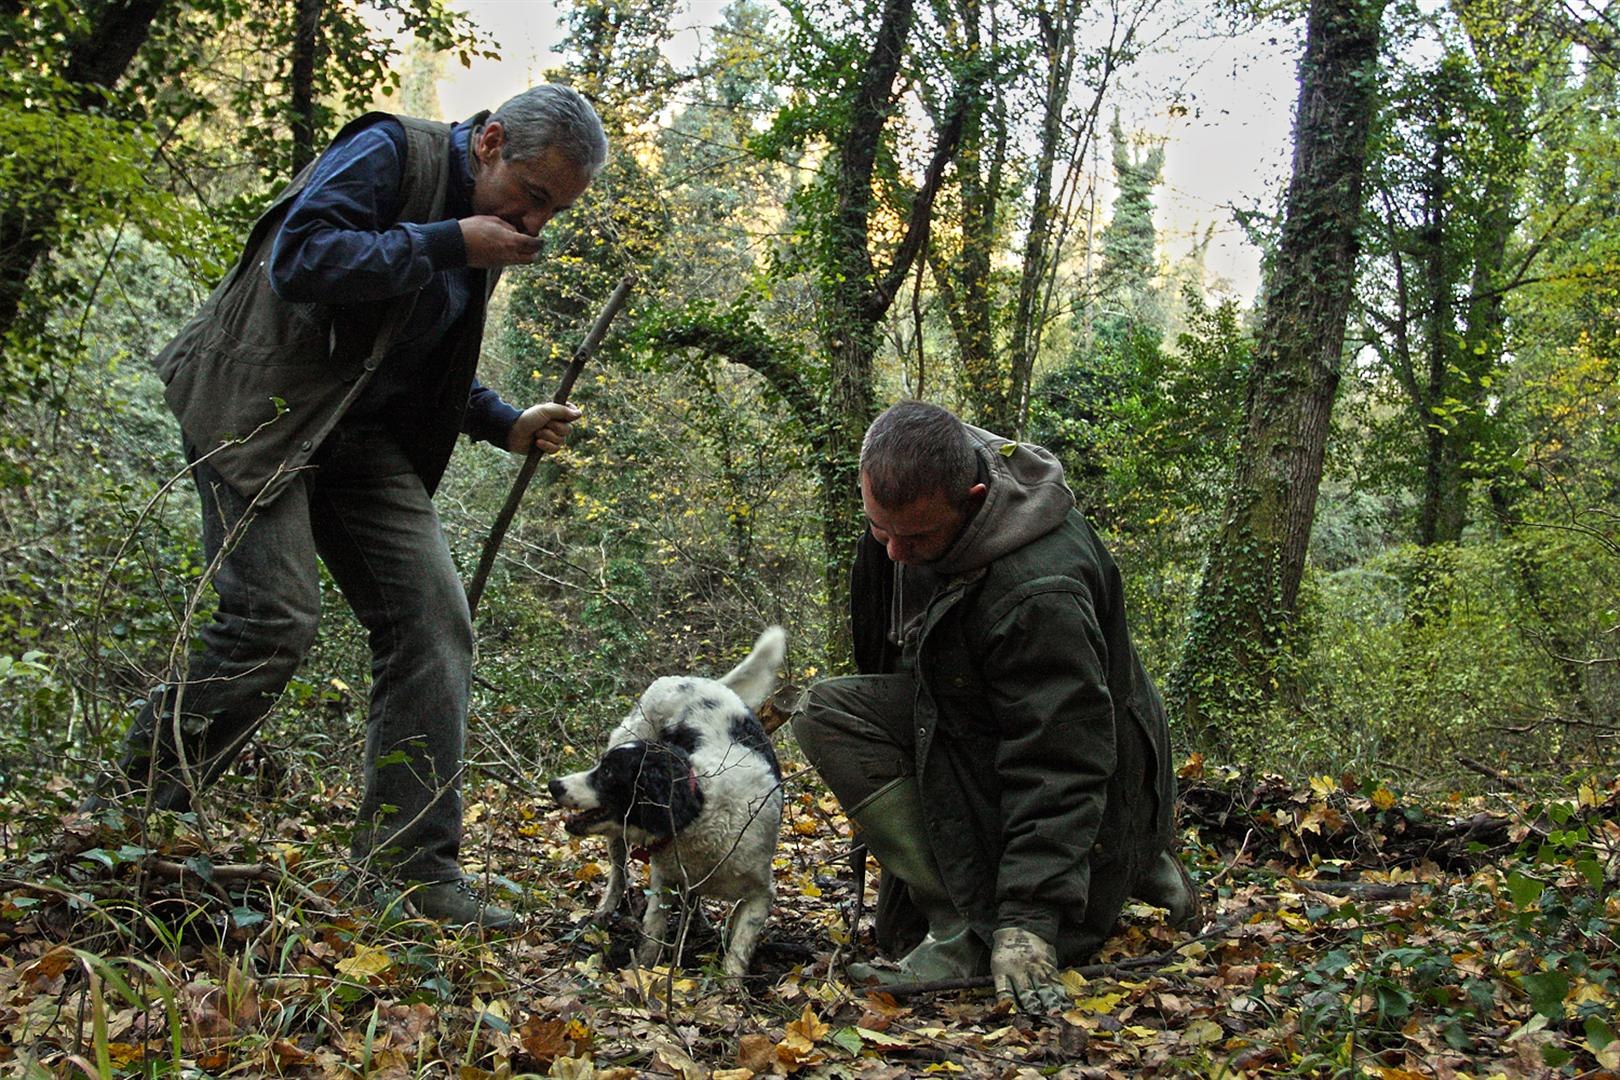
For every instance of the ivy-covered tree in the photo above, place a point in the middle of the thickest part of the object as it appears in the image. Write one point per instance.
(1236, 657)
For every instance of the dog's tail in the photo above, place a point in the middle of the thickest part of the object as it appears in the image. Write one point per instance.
(755, 678)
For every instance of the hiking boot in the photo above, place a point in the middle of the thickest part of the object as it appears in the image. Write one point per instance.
(457, 904)
(1167, 884)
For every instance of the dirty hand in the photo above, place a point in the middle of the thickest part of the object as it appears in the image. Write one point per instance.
(544, 427)
(1025, 969)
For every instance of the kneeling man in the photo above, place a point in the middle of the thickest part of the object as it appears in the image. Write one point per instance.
(1004, 755)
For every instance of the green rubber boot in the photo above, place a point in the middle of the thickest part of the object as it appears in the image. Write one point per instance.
(1167, 884)
(891, 823)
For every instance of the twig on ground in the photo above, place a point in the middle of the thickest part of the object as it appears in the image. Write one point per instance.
(1227, 869)
(1485, 770)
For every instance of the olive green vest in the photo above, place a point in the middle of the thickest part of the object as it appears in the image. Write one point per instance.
(258, 382)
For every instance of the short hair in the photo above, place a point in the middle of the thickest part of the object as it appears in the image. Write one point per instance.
(914, 450)
(550, 115)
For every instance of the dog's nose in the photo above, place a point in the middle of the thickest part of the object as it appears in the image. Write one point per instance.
(556, 789)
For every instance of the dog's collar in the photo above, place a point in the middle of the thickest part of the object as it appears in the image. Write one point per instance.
(645, 852)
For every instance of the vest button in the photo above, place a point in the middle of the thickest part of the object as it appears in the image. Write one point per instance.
(305, 446)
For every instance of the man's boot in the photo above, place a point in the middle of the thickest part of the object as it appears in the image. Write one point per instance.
(457, 905)
(1165, 883)
(891, 823)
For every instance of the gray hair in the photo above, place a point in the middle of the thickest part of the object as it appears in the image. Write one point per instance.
(914, 450)
(551, 115)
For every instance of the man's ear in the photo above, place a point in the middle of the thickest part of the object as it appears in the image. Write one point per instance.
(490, 141)
(975, 497)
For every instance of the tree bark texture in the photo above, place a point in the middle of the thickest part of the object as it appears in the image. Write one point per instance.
(1234, 660)
(963, 273)
(301, 88)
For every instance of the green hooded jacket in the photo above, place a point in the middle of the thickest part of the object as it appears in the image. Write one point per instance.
(1026, 672)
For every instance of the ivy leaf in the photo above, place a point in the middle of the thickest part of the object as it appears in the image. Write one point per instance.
(1547, 990)
(1524, 890)
(1600, 1039)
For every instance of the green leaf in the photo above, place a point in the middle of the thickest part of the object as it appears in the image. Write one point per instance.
(1524, 890)
(1547, 990)
(245, 916)
(1600, 1039)
(848, 1038)
(1592, 871)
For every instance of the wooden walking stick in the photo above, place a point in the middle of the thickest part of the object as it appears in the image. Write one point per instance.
(475, 588)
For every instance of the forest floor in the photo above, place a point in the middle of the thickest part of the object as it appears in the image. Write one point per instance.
(1348, 931)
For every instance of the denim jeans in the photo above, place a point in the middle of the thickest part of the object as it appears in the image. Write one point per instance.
(366, 515)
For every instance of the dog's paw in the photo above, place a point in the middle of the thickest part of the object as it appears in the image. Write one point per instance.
(736, 967)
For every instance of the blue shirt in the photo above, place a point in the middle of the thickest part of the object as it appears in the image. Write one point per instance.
(341, 243)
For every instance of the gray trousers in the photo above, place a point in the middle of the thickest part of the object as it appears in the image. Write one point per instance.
(365, 513)
(856, 731)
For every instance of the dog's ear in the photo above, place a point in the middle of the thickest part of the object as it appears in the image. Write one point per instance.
(755, 678)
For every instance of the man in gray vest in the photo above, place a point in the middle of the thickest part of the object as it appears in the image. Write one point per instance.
(1003, 753)
(320, 391)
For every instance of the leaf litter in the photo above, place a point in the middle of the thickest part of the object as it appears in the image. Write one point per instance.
(1350, 930)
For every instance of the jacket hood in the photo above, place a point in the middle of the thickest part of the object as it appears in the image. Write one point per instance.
(1026, 498)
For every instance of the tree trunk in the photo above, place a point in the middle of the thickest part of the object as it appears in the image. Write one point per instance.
(305, 53)
(1235, 660)
(93, 64)
(855, 296)
(1057, 42)
(963, 276)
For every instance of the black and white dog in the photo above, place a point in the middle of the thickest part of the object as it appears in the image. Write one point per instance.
(690, 777)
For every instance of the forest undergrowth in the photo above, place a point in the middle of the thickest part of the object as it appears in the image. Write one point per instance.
(1350, 929)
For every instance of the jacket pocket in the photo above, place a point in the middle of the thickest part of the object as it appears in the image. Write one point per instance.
(258, 327)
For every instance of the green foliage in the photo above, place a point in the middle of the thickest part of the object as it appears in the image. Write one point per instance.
(1384, 684)
(1146, 434)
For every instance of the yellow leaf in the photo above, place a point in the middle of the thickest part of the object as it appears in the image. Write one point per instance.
(1383, 798)
(879, 1038)
(588, 871)
(1103, 1003)
(365, 963)
(1324, 785)
(1202, 1032)
(1293, 921)
(1607, 1056)
(805, 826)
(499, 1008)
(808, 1027)
(944, 1067)
(809, 888)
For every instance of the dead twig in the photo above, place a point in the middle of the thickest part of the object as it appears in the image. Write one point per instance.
(1485, 770)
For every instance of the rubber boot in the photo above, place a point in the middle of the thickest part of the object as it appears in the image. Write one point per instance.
(891, 823)
(1165, 883)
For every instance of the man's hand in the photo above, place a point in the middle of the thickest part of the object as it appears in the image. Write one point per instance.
(492, 243)
(543, 426)
(1025, 969)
